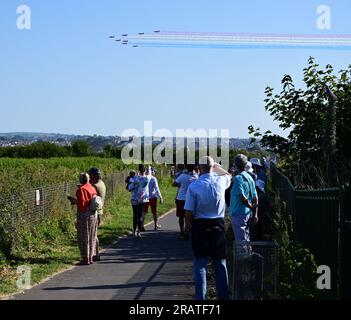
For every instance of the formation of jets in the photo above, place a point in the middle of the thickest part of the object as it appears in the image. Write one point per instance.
(125, 42)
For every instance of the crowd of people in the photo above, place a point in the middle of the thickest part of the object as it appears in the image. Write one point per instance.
(145, 194)
(90, 199)
(204, 194)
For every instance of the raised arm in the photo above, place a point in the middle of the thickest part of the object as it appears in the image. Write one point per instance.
(217, 168)
(158, 191)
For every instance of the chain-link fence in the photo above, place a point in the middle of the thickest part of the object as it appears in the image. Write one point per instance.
(255, 270)
(29, 207)
(32, 206)
(22, 210)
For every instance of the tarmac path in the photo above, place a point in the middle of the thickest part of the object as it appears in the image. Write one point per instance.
(158, 266)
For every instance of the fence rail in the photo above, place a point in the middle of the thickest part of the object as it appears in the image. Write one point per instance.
(321, 222)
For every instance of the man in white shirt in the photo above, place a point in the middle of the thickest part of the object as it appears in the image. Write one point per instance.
(183, 181)
(205, 208)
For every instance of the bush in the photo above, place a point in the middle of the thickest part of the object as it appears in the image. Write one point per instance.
(318, 127)
(8, 233)
(298, 267)
(67, 224)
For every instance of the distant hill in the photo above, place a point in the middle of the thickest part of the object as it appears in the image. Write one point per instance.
(97, 142)
(24, 134)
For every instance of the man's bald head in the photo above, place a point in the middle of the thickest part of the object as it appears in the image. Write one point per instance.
(206, 164)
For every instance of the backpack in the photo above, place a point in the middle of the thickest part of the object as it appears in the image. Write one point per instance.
(128, 183)
(95, 204)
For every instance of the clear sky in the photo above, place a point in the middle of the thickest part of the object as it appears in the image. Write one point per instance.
(65, 75)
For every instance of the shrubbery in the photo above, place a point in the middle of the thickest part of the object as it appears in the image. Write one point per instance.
(47, 150)
(316, 128)
(298, 268)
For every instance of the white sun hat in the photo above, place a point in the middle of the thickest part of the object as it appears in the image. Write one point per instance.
(248, 167)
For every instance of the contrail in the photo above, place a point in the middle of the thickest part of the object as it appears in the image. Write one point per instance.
(235, 40)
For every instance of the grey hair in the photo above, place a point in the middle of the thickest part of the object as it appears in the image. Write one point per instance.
(240, 162)
(84, 178)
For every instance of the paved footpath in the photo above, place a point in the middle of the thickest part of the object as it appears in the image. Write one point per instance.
(156, 267)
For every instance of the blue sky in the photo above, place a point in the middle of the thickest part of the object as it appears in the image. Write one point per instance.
(65, 75)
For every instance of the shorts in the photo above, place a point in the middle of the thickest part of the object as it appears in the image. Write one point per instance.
(180, 208)
(153, 204)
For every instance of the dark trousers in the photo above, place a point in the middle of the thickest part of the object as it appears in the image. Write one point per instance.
(208, 240)
(138, 216)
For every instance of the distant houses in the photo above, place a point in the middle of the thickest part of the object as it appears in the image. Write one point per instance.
(97, 142)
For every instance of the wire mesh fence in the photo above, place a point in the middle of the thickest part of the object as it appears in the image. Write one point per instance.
(26, 208)
(255, 270)
(32, 206)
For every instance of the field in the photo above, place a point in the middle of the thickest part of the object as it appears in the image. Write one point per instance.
(19, 174)
(50, 246)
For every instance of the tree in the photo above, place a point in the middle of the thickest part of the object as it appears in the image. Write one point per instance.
(309, 114)
(82, 148)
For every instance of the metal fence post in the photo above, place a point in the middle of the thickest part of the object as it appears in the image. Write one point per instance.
(43, 202)
(341, 224)
(14, 213)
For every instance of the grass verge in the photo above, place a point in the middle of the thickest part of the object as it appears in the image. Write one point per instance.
(48, 249)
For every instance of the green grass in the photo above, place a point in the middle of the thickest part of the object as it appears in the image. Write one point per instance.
(47, 250)
(20, 174)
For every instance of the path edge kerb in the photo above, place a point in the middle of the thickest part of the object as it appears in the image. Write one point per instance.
(13, 295)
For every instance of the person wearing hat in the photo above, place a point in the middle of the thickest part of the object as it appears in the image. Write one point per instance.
(100, 187)
(205, 211)
(249, 169)
(86, 220)
(243, 201)
(258, 169)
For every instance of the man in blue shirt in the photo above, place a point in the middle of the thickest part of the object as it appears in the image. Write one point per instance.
(243, 201)
(205, 208)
